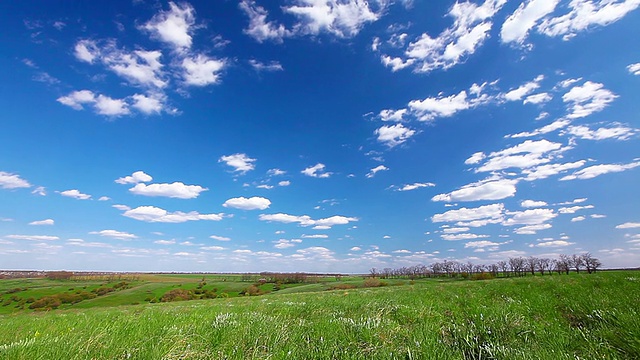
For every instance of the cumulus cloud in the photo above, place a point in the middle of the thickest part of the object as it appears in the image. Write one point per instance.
(532, 203)
(32, 237)
(529, 217)
(524, 90)
(220, 238)
(40, 190)
(76, 99)
(597, 170)
(375, 170)
(538, 98)
(114, 234)
(484, 190)
(531, 229)
(393, 135)
(481, 244)
(544, 171)
(240, 162)
(136, 177)
(414, 186)
(475, 158)
(573, 209)
(578, 218)
(629, 225)
(252, 203)
(260, 66)
(584, 14)
(315, 236)
(525, 155)
(316, 171)
(156, 214)
(173, 26)
(587, 99)
(12, 181)
(471, 27)
(42, 222)
(486, 212)
(152, 104)
(554, 243)
(284, 183)
(392, 115)
(103, 105)
(456, 237)
(634, 68)
(517, 26)
(202, 70)
(306, 220)
(176, 190)
(259, 28)
(616, 132)
(75, 194)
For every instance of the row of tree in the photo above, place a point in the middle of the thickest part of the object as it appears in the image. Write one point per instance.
(515, 266)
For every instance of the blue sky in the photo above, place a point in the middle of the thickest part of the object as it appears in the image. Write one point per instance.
(317, 135)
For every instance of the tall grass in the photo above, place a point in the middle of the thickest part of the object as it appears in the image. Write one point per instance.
(553, 317)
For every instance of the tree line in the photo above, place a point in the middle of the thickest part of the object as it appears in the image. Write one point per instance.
(515, 266)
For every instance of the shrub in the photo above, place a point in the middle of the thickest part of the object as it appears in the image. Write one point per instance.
(46, 303)
(176, 295)
(342, 287)
(482, 276)
(373, 282)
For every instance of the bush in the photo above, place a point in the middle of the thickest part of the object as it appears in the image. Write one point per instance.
(482, 276)
(343, 287)
(176, 295)
(46, 303)
(373, 282)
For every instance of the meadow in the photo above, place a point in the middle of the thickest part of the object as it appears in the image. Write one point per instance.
(576, 316)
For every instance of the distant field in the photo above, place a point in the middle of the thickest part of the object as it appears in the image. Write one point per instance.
(576, 316)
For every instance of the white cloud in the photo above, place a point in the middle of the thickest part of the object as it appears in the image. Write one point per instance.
(284, 183)
(538, 98)
(531, 229)
(524, 90)
(75, 194)
(240, 162)
(276, 172)
(220, 238)
(12, 181)
(76, 99)
(252, 203)
(471, 26)
(516, 27)
(634, 68)
(629, 225)
(394, 135)
(573, 209)
(529, 217)
(108, 106)
(165, 242)
(306, 220)
(265, 186)
(86, 50)
(578, 218)
(153, 104)
(555, 243)
(587, 99)
(392, 115)
(40, 190)
(201, 70)
(525, 155)
(556, 125)
(136, 177)
(139, 67)
(585, 14)
(455, 230)
(597, 170)
(396, 63)
(486, 212)
(176, 190)
(617, 132)
(316, 171)
(481, 244)
(114, 234)
(532, 203)
(155, 214)
(598, 216)
(355, 248)
(33, 237)
(260, 66)
(283, 244)
(259, 28)
(315, 236)
(484, 190)
(104, 198)
(174, 26)
(212, 248)
(440, 106)
(414, 186)
(475, 158)
(376, 169)
(544, 171)
(338, 17)
(43, 222)
(456, 237)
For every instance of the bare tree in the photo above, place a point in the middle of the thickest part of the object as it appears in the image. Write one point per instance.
(577, 262)
(532, 263)
(503, 267)
(591, 263)
(564, 263)
(543, 264)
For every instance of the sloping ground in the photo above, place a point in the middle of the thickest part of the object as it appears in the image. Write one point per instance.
(551, 317)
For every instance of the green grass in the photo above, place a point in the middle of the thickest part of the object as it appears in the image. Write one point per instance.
(552, 317)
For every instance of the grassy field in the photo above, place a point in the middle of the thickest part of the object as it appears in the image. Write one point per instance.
(577, 316)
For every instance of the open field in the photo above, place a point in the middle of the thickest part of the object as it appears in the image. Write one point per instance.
(576, 316)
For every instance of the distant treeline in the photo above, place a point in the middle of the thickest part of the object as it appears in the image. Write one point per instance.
(515, 266)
